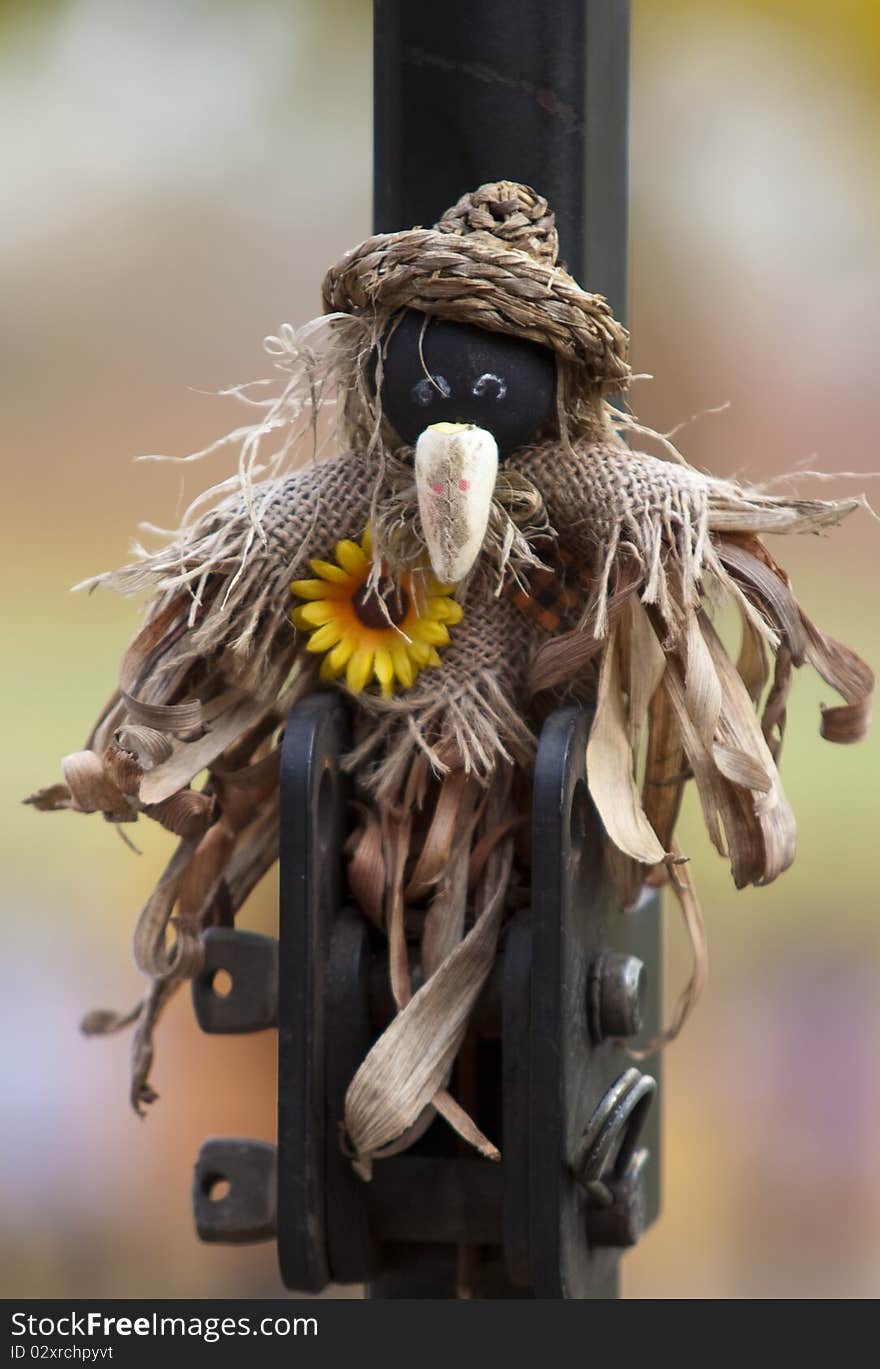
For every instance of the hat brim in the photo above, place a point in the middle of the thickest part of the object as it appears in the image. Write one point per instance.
(475, 278)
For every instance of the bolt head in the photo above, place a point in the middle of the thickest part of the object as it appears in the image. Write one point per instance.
(617, 989)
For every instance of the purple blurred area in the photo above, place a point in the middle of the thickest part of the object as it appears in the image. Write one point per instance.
(176, 178)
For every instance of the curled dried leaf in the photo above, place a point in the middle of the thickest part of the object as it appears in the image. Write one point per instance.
(152, 955)
(234, 715)
(462, 1123)
(853, 679)
(408, 1067)
(644, 664)
(666, 769)
(702, 688)
(175, 718)
(366, 865)
(252, 858)
(123, 770)
(205, 871)
(610, 769)
(766, 586)
(627, 876)
(159, 994)
(242, 792)
(149, 746)
(741, 768)
(752, 660)
(680, 880)
(712, 789)
(454, 804)
(164, 629)
(92, 789)
(444, 922)
(188, 813)
(773, 718)
(566, 654)
(104, 1021)
(52, 799)
(740, 731)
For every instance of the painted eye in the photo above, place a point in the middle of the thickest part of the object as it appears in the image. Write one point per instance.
(429, 388)
(437, 371)
(489, 386)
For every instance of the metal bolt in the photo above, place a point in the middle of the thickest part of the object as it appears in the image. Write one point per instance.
(615, 995)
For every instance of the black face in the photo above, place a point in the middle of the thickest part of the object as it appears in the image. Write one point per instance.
(465, 375)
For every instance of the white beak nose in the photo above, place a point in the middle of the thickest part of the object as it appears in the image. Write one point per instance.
(456, 469)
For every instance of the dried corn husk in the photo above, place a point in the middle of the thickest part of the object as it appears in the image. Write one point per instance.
(208, 681)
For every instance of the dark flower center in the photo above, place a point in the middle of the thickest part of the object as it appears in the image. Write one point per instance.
(370, 611)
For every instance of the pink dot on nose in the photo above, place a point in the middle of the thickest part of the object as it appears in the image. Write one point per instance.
(438, 488)
(464, 484)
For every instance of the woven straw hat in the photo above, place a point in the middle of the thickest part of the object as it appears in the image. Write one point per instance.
(491, 260)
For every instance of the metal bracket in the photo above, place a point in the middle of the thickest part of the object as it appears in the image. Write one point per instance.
(234, 1192)
(588, 975)
(237, 989)
(579, 1179)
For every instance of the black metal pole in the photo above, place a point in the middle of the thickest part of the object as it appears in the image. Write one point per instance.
(534, 91)
(522, 90)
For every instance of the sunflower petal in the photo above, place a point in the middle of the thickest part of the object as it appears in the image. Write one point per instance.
(419, 652)
(403, 664)
(324, 637)
(315, 589)
(337, 659)
(327, 571)
(299, 621)
(445, 610)
(429, 632)
(434, 657)
(316, 614)
(351, 557)
(384, 666)
(367, 542)
(342, 652)
(359, 669)
(431, 588)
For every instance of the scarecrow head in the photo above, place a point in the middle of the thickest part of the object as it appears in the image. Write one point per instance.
(483, 344)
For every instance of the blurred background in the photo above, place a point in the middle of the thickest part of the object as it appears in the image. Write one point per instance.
(176, 176)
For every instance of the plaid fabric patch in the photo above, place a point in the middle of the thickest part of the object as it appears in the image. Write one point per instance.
(552, 597)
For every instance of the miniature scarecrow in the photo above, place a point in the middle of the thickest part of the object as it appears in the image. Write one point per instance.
(482, 544)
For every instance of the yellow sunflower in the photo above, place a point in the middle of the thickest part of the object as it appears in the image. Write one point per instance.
(389, 641)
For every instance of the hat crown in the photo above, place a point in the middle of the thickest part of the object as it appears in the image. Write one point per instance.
(492, 261)
(515, 214)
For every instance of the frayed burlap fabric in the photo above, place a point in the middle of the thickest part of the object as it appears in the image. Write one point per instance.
(438, 852)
